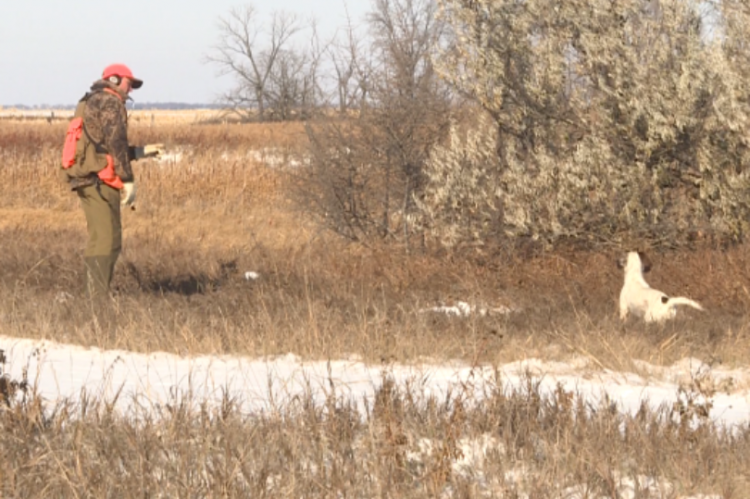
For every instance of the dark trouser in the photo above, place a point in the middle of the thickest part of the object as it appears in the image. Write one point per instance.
(101, 204)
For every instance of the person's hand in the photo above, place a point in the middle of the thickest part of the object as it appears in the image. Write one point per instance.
(127, 194)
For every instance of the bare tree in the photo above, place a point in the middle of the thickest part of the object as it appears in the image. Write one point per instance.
(288, 91)
(411, 104)
(256, 57)
(352, 68)
(310, 74)
(368, 166)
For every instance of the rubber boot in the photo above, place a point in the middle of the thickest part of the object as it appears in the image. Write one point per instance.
(98, 275)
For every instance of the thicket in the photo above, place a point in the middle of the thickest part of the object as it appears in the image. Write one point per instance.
(607, 122)
(366, 166)
(594, 121)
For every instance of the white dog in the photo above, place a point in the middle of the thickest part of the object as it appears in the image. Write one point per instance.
(642, 300)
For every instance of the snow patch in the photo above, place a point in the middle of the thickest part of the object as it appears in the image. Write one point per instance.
(464, 309)
(61, 372)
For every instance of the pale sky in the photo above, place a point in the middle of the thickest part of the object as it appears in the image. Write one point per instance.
(52, 50)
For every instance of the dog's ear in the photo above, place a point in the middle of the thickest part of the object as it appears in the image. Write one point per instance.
(645, 262)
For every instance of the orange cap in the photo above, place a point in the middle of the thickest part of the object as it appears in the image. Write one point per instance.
(122, 71)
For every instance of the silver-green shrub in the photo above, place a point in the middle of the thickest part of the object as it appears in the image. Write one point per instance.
(608, 121)
(461, 200)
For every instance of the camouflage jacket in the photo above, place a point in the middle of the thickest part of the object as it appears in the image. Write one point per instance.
(106, 122)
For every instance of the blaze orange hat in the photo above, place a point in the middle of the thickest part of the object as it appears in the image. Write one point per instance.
(122, 71)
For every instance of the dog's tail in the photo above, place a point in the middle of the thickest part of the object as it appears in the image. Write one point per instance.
(681, 300)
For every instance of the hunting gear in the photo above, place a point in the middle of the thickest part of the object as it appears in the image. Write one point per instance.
(96, 161)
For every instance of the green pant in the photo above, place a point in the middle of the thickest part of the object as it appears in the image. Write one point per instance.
(101, 204)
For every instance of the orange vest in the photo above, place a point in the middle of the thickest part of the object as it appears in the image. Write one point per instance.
(70, 154)
(108, 175)
(72, 148)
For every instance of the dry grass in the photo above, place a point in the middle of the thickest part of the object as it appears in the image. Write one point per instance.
(201, 223)
(517, 443)
(138, 117)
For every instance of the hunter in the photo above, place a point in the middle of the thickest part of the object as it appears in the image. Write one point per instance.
(96, 159)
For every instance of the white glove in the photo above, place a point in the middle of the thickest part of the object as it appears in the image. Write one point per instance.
(127, 194)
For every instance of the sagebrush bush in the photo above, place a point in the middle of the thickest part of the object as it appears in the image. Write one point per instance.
(461, 201)
(612, 121)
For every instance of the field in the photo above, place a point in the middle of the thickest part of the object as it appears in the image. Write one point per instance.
(220, 206)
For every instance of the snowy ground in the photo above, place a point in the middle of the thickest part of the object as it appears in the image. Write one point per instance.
(141, 382)
(62, 371)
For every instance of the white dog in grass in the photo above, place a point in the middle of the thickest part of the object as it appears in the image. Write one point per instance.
(638, 298)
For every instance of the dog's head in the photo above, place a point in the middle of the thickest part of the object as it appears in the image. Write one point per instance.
(634, 261)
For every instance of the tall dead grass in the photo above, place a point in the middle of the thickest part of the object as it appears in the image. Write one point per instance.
(203, 221)
(519, 442)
